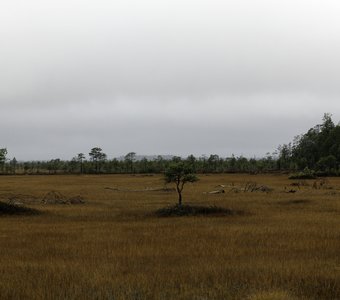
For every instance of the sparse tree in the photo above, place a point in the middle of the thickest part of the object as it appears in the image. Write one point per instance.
(129, 160)
(72, 165)
(13, 163)
(159, 163)
(179, 173)
(97, 156)
(54, 165)
(192, 161)
(80, 159)
(3, 154)
(213, 161)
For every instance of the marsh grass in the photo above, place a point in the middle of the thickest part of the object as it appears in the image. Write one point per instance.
(111, 248)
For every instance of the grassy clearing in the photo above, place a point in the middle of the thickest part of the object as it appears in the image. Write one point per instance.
(285, 246)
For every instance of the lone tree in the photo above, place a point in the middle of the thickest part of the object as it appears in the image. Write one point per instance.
(179, 173)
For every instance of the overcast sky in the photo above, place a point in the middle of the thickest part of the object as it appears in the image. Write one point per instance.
(165, 77)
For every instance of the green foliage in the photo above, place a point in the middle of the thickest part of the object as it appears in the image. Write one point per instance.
(305, 174)
(179, 173)
(3, 153)
(129, 160)
(98, 157)
(318, 149)
(327, 163)
(98, 163)
(54, 165)
(80, 159)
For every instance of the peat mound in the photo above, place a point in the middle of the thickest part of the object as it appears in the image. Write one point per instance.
(18, 199)
(76, 200)
(194, 210)
(13, 209)
(54, 197)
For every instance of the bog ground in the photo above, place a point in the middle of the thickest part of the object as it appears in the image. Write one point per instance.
(282, 246)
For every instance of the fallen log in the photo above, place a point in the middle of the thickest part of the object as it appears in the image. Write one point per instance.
(221, 191)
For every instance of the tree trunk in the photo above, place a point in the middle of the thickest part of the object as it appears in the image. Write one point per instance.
(179, 198)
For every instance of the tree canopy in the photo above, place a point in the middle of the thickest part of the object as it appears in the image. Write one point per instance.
(3, 153)
(318, 149)
(179, 173)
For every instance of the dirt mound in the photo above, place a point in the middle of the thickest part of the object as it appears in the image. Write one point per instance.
(22, 199)
(76, 200)
(54, 197)
(299, 184)
(264, 189)
(252, 187)
(18, 199)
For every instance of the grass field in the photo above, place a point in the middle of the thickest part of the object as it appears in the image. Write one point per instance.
(283, 245)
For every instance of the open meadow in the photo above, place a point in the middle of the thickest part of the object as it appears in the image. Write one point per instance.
(278, 245)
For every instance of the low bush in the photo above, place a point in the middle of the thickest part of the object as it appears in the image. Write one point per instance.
(305, 174)
(189, 210)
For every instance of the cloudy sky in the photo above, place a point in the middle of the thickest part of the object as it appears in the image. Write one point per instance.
(165, 76)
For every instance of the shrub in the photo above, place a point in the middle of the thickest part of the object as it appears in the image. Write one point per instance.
(188, 210)
(305, 174)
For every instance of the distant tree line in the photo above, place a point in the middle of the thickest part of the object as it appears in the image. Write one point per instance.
(317, 150)
(97, 163)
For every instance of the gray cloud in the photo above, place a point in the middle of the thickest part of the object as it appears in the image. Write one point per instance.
(164, 76)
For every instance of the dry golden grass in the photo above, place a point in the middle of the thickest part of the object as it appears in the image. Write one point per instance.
(285, 246)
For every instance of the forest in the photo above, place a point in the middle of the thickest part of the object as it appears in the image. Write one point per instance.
(317, 151)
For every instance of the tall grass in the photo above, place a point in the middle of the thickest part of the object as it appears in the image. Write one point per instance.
(285, 246)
